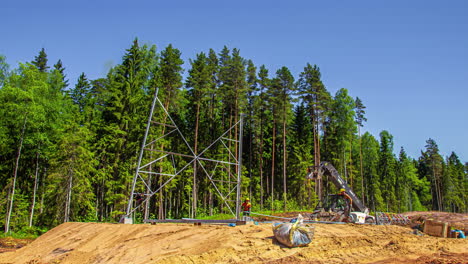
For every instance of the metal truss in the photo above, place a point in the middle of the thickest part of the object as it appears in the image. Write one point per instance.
(150, 147)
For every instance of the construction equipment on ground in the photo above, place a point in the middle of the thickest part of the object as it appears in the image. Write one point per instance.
(392, 219)
(343, 207)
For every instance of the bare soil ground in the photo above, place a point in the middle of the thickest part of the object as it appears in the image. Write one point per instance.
(185, 243)
(11, 244)
(451, 218)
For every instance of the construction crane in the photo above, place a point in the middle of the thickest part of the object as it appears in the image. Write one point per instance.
(343, 207)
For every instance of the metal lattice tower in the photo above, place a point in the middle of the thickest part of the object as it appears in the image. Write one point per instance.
(154, 153)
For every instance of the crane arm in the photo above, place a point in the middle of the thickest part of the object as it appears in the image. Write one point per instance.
(327, 169)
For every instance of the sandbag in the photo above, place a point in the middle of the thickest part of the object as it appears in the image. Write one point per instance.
(293, 234)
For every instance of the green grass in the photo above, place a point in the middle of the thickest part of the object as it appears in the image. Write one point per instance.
(217, 217)
(25, 233)
(230, 216)
(19, 235)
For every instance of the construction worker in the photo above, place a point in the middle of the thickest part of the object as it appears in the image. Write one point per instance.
(346, 196)
(246, 206)
(349, 203)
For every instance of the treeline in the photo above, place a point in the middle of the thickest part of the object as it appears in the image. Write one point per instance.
(70, 153)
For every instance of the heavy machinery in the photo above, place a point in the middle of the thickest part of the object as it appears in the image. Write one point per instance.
(343, 207)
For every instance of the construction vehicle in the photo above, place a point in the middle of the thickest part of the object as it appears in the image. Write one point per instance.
(343, 207)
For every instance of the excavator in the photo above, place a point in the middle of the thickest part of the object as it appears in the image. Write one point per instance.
(342, 207)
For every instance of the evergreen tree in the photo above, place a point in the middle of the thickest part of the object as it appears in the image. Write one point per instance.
(4, 70)
(170, 76)
(455, 184)
(252, 88)
(71, 156)
(339, 132)
(431, 166)
(283, 86)
(125, 111)
(301, 157)
(317, 99)
(409, 187)
(59, 67)
(387, 168)
(81, 93)
(199, 84)
(40, 61)
(69, 191)
(260, 125)
(360, 118)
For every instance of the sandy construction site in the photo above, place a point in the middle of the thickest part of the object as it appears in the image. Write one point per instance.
(187, 243)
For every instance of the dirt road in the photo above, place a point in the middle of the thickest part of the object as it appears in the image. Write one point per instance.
(183, 243)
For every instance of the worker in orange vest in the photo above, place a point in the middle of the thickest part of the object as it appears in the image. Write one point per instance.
(246, 207)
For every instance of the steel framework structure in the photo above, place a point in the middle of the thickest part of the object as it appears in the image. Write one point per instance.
(144, 173)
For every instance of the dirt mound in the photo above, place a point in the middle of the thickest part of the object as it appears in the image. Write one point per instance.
(184, 243)
(12, 244)
(438, 216)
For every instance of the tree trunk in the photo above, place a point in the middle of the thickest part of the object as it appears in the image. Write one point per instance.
(250, 154)
(41, 208)
(351, 180)
(15, 173)
(318, 182)
(362, 174)
(273, 166)
(284, 162)
(195, 164)
(31, 216)
(160, 178)
(69, 193)
(261, 166)
(147, 198)
(160, 203)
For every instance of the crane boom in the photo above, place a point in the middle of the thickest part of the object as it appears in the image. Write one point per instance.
(327, 169)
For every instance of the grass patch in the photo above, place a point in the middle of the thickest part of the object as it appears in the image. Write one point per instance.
(217, 217)
(25, 233)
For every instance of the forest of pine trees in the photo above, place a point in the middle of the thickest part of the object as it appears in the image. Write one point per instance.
(69, 153)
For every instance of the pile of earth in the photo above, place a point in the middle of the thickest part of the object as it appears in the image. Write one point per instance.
(11, 244)
(186, 243)
(451, 218)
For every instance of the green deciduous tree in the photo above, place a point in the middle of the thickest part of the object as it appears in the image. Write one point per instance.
(70, 155)
(409, 187)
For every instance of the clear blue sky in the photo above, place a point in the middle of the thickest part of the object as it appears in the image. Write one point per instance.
(406, 60)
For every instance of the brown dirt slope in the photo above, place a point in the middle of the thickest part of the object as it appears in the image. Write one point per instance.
(183, 243)
(12, 244)
(451, 218)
